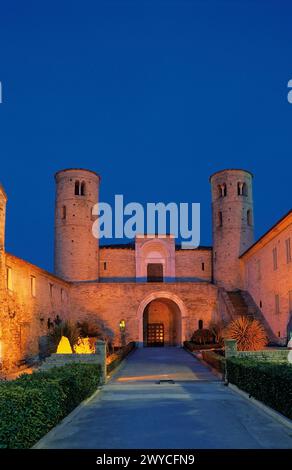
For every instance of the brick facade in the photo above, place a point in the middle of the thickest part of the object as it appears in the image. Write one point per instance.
(109, 283)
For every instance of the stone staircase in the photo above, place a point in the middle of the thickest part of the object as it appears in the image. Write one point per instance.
(241, 304)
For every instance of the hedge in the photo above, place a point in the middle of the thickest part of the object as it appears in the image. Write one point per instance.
(268, 382)
(33, 404)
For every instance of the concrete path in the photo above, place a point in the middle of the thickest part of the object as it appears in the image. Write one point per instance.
(197, 411)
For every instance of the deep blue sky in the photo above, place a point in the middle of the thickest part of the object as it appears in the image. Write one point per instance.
(154, 96)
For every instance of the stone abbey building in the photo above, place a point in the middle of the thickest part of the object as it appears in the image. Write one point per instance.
(159, 291)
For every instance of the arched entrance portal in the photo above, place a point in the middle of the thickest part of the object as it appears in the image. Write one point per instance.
(161, 323)
(162, 318)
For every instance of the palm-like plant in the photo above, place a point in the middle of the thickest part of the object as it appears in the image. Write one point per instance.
(249, 334)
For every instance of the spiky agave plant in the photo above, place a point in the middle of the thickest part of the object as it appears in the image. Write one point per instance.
(249, 334)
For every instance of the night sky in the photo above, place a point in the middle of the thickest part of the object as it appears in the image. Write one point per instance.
(154, 96)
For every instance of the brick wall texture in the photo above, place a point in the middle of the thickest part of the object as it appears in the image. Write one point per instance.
(98, 284)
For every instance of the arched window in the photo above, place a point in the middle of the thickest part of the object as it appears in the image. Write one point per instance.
(222, 190)
(77, 188)
(220, 219)
(82, 188)
(249, 217)
(242, 189)
(200, 324)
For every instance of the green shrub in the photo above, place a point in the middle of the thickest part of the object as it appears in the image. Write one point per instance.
(268, 382)
(27, 413)
(203, 336)
(32, 404)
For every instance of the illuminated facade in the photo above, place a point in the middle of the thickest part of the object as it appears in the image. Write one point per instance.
(158, 292)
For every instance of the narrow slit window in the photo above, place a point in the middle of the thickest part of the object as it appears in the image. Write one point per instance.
(288, 250)
(82, 189)
(51, 289)
(33, 286)
(277, 304)
(64, 212)
(77, 188)
(275, 258)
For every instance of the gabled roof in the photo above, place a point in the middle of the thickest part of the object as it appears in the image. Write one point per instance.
(270, 234)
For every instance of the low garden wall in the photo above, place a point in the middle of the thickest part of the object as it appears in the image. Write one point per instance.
(107, 363)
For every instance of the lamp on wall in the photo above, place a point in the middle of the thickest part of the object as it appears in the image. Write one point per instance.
(123, 333)
(122, 325)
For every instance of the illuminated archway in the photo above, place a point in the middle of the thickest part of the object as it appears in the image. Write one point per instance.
(179, 310)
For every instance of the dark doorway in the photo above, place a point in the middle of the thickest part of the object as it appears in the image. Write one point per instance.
(155, 334)
(154, 272)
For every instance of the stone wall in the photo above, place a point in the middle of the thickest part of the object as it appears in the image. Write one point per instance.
(109, 303)
(193, 264)
(117, 264)
(24, 315)
(264, 282)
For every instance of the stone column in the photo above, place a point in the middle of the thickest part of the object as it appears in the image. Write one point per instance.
(230, 346)
(101, 353)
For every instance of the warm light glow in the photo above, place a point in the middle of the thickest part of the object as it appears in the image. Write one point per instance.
(111, 358)
(172, 376)
(64, 346)
(84, 346)
(122, 325)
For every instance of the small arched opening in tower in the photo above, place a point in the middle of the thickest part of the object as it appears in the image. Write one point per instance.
(249, 217)
(82, 189)
(242, 189)
(77, 188)
(222, 190)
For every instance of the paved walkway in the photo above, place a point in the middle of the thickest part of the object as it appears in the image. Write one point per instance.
(135, 410)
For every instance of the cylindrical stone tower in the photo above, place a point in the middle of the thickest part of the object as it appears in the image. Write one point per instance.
(76, 249)
(233, 226)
